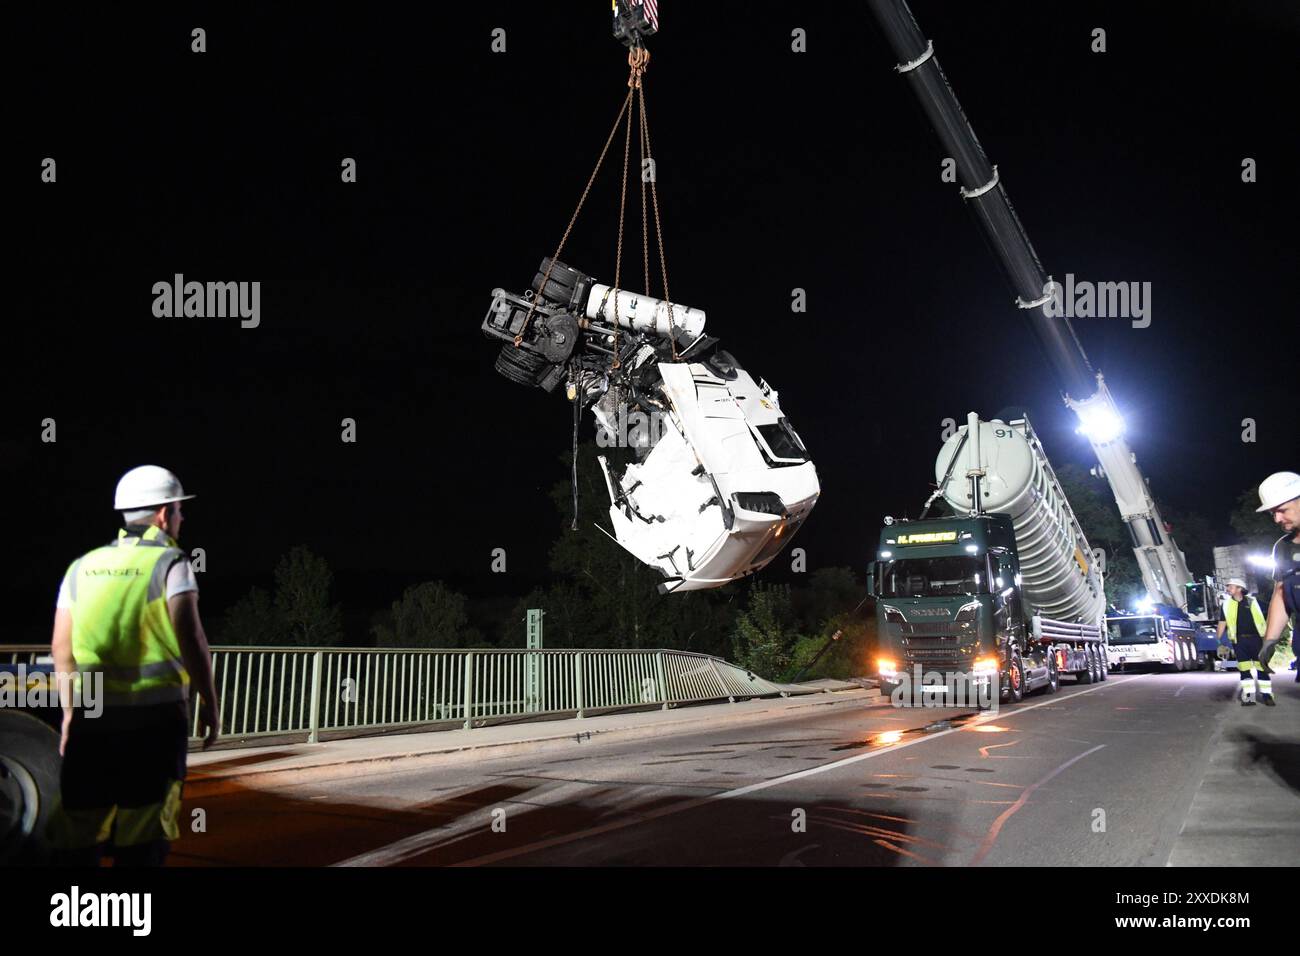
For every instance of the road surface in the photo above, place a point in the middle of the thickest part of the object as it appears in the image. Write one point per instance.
(1102, 775)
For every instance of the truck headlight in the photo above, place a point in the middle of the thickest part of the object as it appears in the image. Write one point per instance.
(985, 665)
(894, 616)
(763, 502)
(886, 667)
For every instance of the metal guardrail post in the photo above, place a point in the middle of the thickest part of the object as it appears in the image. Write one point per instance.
(577, 678)
(663, 684)
(313, 725)
(725, 689)
(469, 690)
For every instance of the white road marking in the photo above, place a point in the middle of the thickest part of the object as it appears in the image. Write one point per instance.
(378, 857)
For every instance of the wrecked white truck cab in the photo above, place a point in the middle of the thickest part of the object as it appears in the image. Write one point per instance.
(722, 490)
(721, 482)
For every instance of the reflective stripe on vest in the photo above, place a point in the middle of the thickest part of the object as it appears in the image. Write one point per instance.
(1230, 615)
(121, 628)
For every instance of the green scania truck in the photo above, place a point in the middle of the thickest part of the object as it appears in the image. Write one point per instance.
(998, 599)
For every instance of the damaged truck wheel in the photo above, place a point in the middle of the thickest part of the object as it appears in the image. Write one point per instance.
(563, 283)
(518, 365)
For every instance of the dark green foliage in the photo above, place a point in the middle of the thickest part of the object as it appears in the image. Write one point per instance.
(250, 621)
(766, 632)
(426, 615)
(303, 580)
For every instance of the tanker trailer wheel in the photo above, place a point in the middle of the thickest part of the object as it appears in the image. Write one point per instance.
(1013, 684)
(1087, 675)
(1103, 665)
(29, 786)
(1053, 675)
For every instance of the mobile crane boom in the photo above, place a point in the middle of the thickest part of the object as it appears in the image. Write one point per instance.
(1164, 569)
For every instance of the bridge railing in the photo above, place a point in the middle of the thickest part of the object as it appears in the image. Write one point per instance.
(278, 691)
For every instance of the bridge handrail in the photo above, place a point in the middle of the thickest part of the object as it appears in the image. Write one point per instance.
(340, 691)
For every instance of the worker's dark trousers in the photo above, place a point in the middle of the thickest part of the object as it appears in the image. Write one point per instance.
(121, 786)
(1248, 648)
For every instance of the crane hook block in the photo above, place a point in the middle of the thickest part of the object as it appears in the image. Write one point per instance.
(634, 20)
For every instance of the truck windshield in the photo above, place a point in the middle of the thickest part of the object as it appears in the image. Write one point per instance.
(783, 441)
(1133, 630)
(934, 577)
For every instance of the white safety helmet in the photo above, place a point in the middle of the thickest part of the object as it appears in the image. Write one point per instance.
(146, 487)
(1237, 582)
(1278, 489)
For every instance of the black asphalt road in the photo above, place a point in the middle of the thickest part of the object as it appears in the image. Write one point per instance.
(1098, 775)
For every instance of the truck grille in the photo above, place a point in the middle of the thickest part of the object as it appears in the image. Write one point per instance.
(935, 630)
(936, 654)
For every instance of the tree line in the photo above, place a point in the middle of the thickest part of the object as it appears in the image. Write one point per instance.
(598, 595)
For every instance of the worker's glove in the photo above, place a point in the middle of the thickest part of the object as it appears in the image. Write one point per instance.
(1223, 652)
(1266, 652)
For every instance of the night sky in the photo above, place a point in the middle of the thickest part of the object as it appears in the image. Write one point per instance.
(776, 170)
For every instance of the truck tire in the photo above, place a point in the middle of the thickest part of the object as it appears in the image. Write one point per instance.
(1053, 675)
(559, 289)
(1014, 691)
(1085, 676)
(520, 365)
(29, 786)
(1103, 665)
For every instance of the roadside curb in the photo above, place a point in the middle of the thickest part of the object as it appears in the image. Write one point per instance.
(200, 783)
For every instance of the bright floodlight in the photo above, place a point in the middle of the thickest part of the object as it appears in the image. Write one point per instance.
(1099, 423)
(1145, 606)
(1261, 560)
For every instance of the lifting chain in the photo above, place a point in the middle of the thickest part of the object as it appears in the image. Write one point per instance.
(638, 59)
(645, 226)
(627, 100)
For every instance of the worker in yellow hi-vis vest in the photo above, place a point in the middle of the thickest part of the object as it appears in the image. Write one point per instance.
(1244, 621)
(127, 624)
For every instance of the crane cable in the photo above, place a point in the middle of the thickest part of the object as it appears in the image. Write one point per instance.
(638, 59)
(532, 308)
(645, 226)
